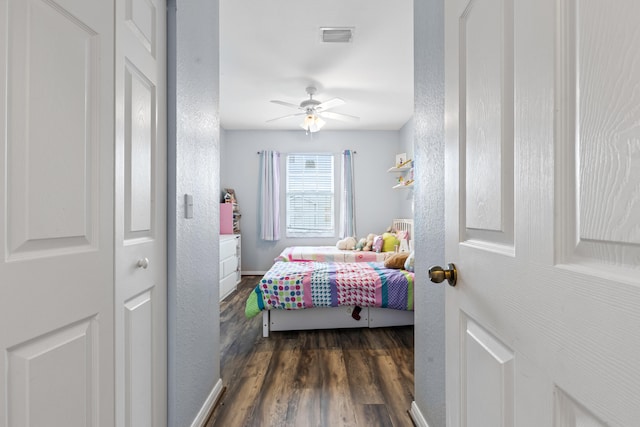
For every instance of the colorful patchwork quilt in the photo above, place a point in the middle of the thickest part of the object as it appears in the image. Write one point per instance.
(298, 285)
(329, 254)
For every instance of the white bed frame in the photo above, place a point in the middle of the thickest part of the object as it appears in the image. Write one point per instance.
(339, 317)
(332, 318)
(404, 224)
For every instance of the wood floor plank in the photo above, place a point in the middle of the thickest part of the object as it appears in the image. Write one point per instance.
(241, 411)
(277, 388)
(396, 389)
(363, 378)
(322, 391)
(245, 377)
(335, 400)
(373, 415)
(344, 377)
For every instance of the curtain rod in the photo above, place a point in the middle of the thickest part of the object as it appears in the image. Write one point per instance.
(352, 152)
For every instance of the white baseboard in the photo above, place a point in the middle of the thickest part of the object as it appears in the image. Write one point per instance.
(253, 273)
(416, 416)
(205, 411)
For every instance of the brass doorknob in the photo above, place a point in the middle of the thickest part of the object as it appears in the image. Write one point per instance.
(437, 274)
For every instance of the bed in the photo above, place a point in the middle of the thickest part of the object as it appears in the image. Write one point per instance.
(310, 262)
(326, 295)
(333, 254)
(329, 254)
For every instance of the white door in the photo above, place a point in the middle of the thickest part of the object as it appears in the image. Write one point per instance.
(140, 237)
(543, 212)
(56, 215)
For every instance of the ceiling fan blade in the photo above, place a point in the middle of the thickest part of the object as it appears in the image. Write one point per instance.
(339, 116)
(330, 104)
(286, 104)
(286, 117)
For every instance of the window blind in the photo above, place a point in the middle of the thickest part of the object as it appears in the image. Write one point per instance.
(310, 195)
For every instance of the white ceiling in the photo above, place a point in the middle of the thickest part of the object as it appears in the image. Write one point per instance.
(271, 50)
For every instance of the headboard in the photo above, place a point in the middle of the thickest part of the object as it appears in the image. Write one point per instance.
(404, 224)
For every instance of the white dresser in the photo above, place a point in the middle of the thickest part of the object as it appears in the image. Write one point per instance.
(230, 263)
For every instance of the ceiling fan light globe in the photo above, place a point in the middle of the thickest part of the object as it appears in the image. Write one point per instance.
(312, 123)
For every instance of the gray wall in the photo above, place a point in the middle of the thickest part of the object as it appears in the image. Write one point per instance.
(376, 203)
(429, 208)
(193, 168)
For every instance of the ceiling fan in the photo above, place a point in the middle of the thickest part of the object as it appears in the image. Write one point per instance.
(314, 111)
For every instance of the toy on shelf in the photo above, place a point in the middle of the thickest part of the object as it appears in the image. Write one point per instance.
(404, 169)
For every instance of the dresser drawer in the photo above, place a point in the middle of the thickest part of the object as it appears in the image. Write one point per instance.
(227, 247)
(227, 285)
(229, 265)
(229, 262)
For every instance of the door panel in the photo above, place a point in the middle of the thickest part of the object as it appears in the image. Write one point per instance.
(141, 17)
(486, 116)
(38, 370)
(56, 213)
(51, 196)
(601, 126)
(556, 305)
(489, 398)
(140, 114)
(569, 413)
(139, 377)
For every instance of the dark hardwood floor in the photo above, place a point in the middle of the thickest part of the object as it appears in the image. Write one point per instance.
(345, 377)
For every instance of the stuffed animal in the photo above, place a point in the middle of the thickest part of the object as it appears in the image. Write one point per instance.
(369, 242)
(351, 243)
(346, 244)
(396, 261)
(361, 244)
(378, 241)
(390, 242)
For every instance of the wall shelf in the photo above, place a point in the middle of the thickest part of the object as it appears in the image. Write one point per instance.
(407, 186)
(405, 173)
(399, 170)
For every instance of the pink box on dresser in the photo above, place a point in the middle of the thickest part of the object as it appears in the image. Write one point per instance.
(226, 218)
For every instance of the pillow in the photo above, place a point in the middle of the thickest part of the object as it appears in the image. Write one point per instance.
(396, 260)
(377, 243)
(408, 264)
(285, 256)
(402, 235)
(390, 242)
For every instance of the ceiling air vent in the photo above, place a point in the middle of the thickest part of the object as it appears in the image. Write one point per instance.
(336, 35)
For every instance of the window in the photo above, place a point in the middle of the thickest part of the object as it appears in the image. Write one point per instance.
(310, 190)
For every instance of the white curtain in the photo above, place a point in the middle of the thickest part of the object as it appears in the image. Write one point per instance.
(269, 195)
(347, 199)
